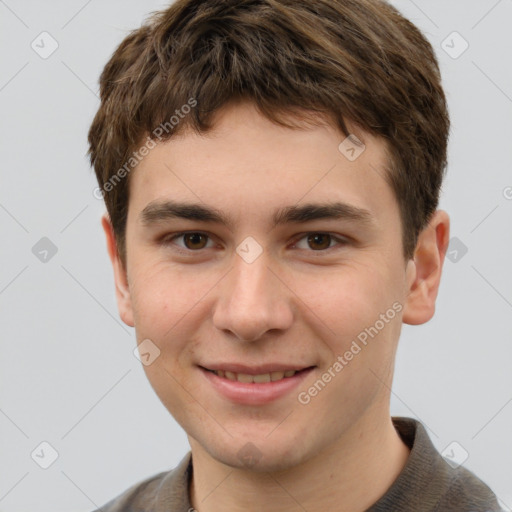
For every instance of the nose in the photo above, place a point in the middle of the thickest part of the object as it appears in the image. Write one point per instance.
(252, 300)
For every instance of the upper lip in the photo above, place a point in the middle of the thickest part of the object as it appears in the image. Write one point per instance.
(255, 369)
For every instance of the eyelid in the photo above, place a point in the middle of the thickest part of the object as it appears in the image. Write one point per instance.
(168, 239)
(340, 239)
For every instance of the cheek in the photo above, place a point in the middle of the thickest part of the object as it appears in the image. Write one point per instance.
(348, 298)
(165, 303)
(171, 309)
(359, 316)
(162, 296)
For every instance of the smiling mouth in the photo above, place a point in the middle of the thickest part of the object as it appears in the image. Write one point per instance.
(258, 379)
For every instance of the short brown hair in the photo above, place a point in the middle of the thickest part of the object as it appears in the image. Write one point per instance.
(350, 60)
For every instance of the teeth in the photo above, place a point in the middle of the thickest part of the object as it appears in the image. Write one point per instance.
(243, 377)
(265, 377)
(278, 375)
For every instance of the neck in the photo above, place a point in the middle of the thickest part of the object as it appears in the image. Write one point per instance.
(348, 476)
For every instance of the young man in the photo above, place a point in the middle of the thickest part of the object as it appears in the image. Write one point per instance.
(271, 170)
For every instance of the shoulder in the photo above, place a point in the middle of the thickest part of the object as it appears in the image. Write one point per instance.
(139, 497)
(167, 491)
(466, 489)
(431, 482)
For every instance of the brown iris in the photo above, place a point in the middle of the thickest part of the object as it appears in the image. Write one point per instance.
(322, 239)
(198, 240)
(195, 240)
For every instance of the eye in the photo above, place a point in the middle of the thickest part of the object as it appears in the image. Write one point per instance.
(320, 241)
(193, 240)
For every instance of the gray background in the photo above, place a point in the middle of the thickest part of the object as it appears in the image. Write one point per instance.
(67, 369)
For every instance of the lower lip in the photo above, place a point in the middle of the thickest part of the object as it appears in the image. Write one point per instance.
(255, 393)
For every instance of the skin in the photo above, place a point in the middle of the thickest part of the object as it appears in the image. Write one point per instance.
(296, 303)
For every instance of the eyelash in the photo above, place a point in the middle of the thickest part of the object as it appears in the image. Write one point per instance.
(342, 241)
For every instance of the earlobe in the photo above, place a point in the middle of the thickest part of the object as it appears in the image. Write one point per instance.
(424, 271)
(123, 296)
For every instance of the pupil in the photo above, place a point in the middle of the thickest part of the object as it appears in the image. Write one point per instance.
(318, 236)
(194, 238)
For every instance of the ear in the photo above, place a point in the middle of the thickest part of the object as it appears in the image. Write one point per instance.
(424, 270)
(124, 303)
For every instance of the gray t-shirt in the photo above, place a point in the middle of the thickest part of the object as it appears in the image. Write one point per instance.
(427, 483)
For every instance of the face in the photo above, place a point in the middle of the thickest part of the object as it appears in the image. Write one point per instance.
(266, 275)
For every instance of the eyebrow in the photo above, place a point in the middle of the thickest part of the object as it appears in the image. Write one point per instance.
(159, 211)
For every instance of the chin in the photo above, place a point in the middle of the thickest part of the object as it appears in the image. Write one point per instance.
(259, 456)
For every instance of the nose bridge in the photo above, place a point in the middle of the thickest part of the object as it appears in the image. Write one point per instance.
(252, 300)
(250, 281)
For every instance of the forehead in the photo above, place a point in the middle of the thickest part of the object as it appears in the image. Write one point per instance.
(246, 165)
